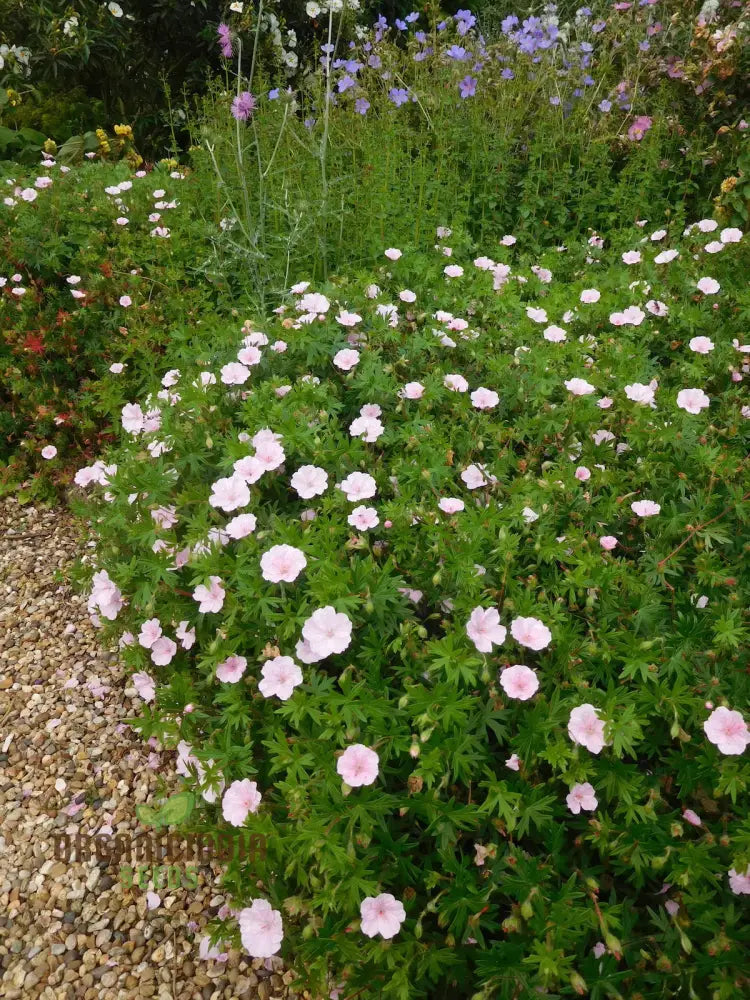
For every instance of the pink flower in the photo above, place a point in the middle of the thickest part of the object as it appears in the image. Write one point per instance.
(241, 798)
(530, 632)
(692, 817)
(231, 669)
(249, 355)
(280, 677)
(639, 393)
(581, 797)
(407, 295)
(473, 477)
(392, 254)
(579, 387)
(309, 481)
(235, 373)
(484, 399)
(519, 682)
(282, 564)
(145, 686)
(590, 295)
(412, 390)
(346, 359)
(631, 257)
(701, 345)
(645, 508)
(513, 762)
(261, 929)
(608, 542)
(358, 486)
(451, 505)
(327, 631)
(241, 526)
(230, 493)
(642, 123)
(582, 473)
(739, 884)
(585, 727)
(692, 400)
(727, 730)
(185, 635)
(453, 271)
(346, 318)
(49, 451)
(368, 428)
(163, 651)
(731, 235)
(382, 915)
(125, 301)
(484, 629)
(150, 632)
(709, 286)
(132, 418)
(456, 383)
(207, 951)
(358, 765)
(210, 598)
(363, 518)
(554, 334)
(268, 453)
(165, 517)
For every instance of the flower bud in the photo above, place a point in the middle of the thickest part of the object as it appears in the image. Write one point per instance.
(578, 983)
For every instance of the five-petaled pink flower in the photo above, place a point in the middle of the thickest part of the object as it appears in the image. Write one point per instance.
(484, 629)
(358, 765)
(358, 486)
(231, 669)
(645, 508)
(280, 677)
(581, 796)
(692, 400)
(346, 359)
(241, 798)
(519, 682)
(530, 632)
(382, 915)
(210, 598)
(363, 518)
(585, 727)
(727, 730)
(282, 564)
(230, 493)
(261, 929)
(309, 481)
(327, 631)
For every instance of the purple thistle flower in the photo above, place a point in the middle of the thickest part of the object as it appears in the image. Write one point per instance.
(243, 106)
(225, 40)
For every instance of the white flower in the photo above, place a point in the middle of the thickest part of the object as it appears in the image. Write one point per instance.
(115, 9)
(313, 10)
(237, 7)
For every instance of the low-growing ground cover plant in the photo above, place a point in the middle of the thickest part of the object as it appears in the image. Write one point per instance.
(436, 579)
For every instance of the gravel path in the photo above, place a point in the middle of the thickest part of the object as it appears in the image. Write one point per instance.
(68, 764)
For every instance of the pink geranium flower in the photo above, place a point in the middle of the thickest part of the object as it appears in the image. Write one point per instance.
(235, 373)
(150, 632)
(692, 400)
(456, 383)
(519, 682)
(484, 399)
(392, 254)
(240, 799)
(582, 797)
(363, 518)
(608, 542)
(261, 929)
(738, 883)
(210, 599)
(727, 730)
(358, 486)
(692, 817)
(590, 295)
(642, 123)
(358, 765)
(231, 669)
(382, 915)
(701, 345)
(513, 762)
(327, 631)
(709, 286)
(451, 505)
(586, 728)
(309, 481)
(484, 629)
(163, 651)
(241, 526)
(346, 359)
(579, 387)
(412, 390)
(145, 686)
(645, 508)
(280, 677)
(530, 632)
(282, 564)
(185, 635)
(230, 493)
